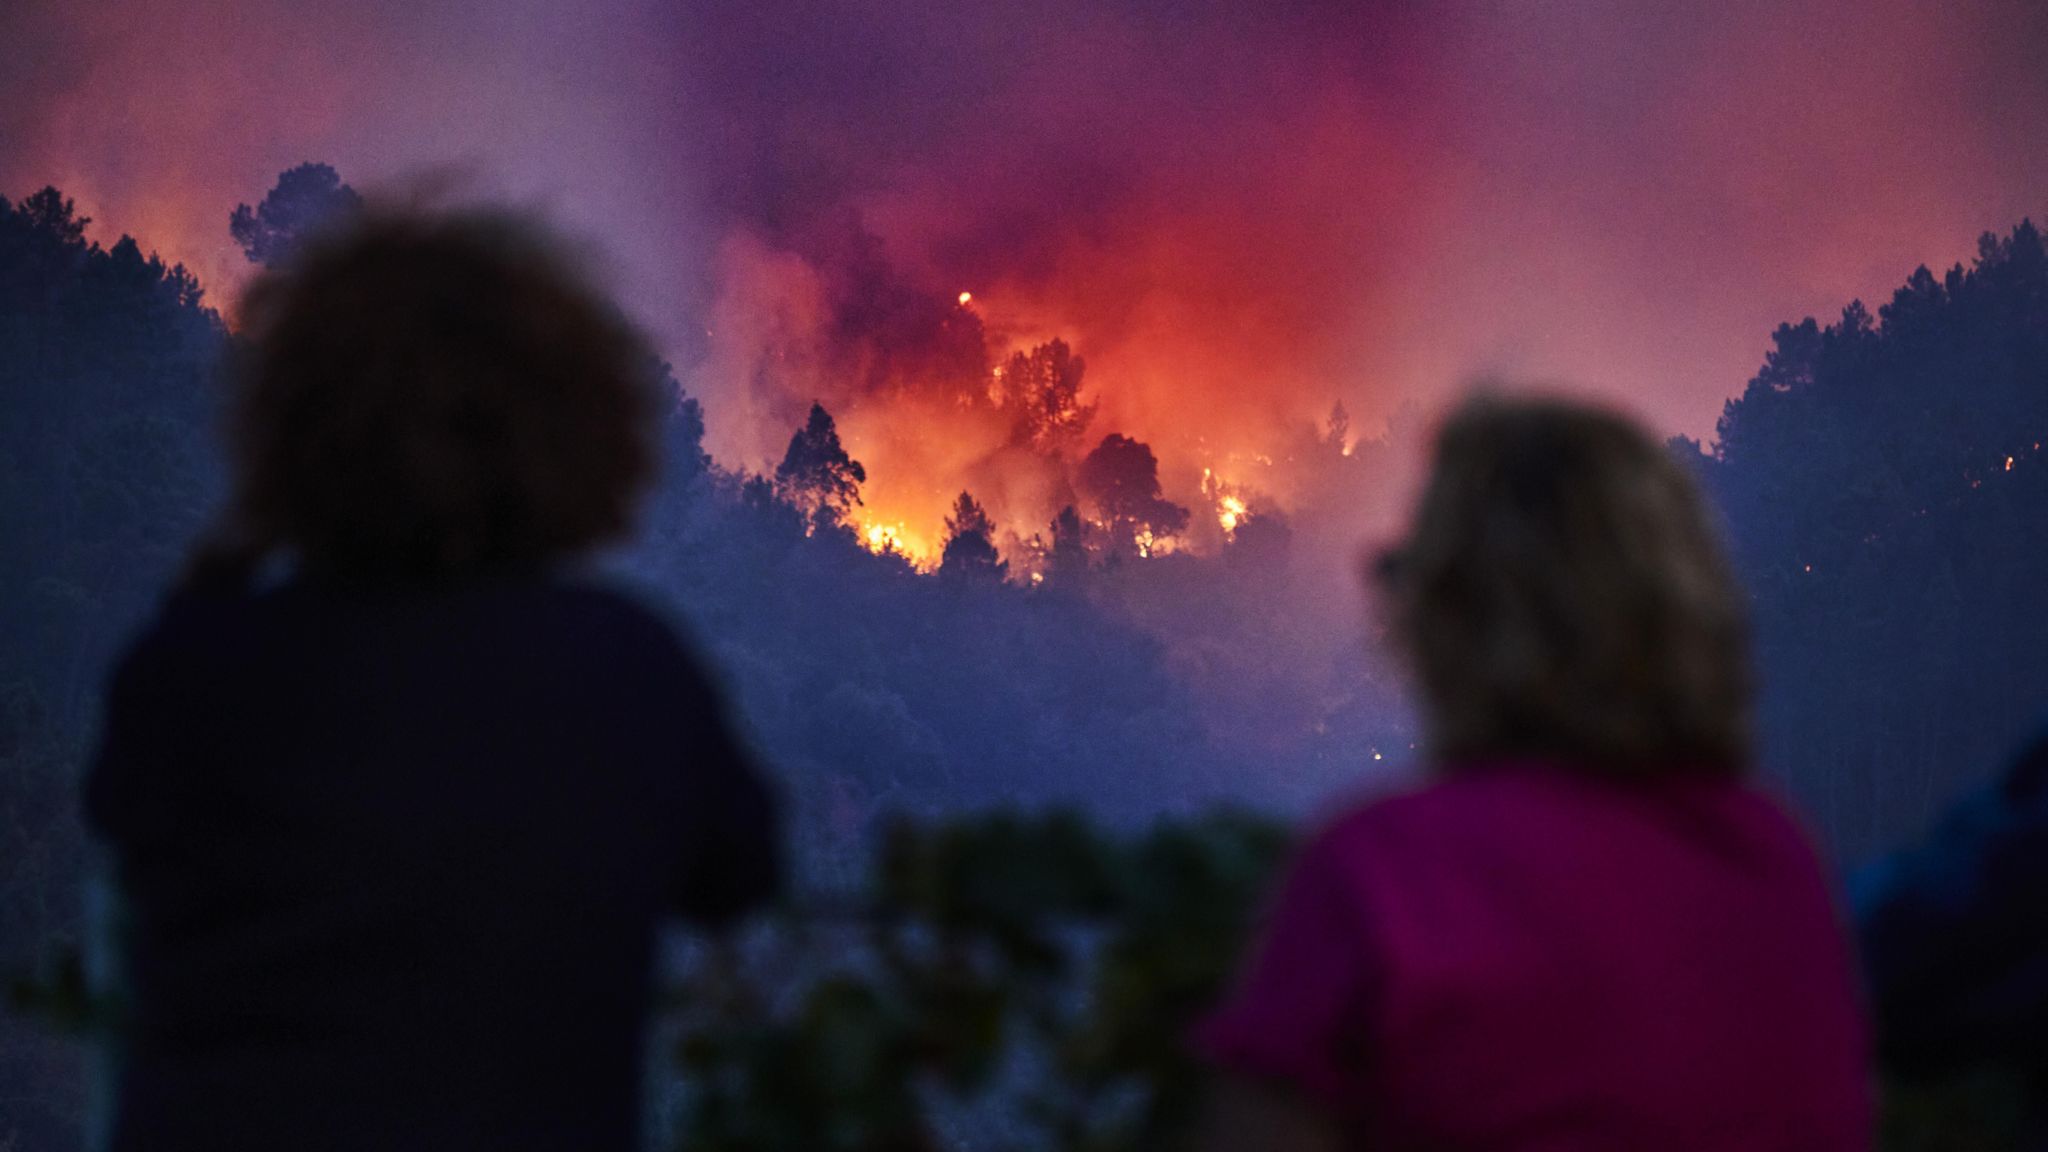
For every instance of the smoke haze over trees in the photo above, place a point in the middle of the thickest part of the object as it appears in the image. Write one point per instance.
(1883, 476)
(1382, 199)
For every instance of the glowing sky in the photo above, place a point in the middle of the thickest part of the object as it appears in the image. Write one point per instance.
(1237, 212)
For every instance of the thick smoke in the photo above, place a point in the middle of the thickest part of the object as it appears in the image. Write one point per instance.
(1238, 213)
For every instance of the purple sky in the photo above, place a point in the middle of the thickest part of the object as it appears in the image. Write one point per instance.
(1237, 212)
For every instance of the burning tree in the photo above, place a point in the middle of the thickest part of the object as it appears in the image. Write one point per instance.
(1067, 559)
(970, 543)
(1337, 429)
(816, 474)
(1122, 477)
(1042, 391)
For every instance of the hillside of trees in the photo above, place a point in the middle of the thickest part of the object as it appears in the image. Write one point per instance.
(106, 471)
(1887, 487)
(1883, 477)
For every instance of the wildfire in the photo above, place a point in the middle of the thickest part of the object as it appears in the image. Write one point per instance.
(1150, 545)
(1231, 509)
(893, 539)
(1230, 512)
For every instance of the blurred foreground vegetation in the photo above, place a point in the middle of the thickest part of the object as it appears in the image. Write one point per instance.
(1028, 983)
(1007, 983)
(1004, 982)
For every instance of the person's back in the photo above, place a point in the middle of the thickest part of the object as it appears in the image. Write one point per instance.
(1586, 931)
(395, 863)
(394, 832)
(1522, 958)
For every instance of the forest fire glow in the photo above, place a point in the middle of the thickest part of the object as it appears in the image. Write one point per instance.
(893, 539)
(1229, 266)
(1231, 513)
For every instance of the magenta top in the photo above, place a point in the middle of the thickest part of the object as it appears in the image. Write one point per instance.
(1516, 957)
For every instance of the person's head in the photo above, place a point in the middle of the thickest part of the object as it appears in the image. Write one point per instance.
(427, 399)
(1563, 595)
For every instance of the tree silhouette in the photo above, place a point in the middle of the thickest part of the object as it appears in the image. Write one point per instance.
(49, 211)
(970, 551)
(1068, 558)
(1337, 429)
(305, 199)
(682, 428)
(1042, 391)
(1886, 477)
(106, 472)
(816, 474)
(1122, 477)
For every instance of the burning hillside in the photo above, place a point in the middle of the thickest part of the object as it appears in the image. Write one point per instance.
(1236, 214)
(935, 393)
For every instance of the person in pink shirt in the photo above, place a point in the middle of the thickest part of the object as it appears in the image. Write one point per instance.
(1586, 930)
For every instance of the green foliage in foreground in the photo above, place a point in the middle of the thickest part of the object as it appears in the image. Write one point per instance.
(1014, 982)
(1026, 980)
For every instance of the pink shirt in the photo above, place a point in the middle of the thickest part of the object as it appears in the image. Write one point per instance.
(1520, 958)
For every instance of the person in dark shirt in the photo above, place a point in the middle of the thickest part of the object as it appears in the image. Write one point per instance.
(395, 801)
(1955, 942)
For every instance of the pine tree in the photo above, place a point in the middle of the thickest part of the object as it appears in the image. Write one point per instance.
(1068, 558)
(306, 199)
(1042, 392)
(1122, 477)
(970, 543)
(816, 474)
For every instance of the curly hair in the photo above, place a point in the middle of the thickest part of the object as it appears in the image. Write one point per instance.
(1564, 595)
(430, 399)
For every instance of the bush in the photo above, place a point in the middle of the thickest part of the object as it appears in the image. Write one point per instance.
(1025, 979)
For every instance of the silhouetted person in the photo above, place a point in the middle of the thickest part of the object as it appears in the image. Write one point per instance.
(1585, 931)
(1955, 939)
(396, 801)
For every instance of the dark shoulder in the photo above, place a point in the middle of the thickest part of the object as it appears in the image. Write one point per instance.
(1368, 825)
(173, 641)
(613, 612)
(1394, 810)
(624, 625)
(1465, 810)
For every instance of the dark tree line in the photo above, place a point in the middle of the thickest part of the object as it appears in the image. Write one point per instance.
(106, 472)
(1887, 485)
(875, 687)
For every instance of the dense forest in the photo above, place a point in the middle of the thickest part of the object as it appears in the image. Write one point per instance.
(1886, 485)
(1882, 476)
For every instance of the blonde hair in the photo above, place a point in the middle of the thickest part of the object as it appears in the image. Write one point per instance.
(1564, 594)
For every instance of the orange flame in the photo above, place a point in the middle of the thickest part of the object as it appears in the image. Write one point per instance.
(893, 539)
